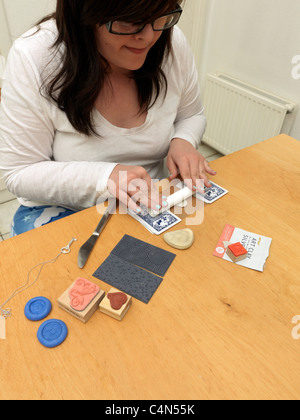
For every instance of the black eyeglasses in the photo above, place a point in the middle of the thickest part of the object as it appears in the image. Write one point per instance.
(167, 21)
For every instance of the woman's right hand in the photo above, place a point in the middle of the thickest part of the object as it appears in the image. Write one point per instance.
(133, 186)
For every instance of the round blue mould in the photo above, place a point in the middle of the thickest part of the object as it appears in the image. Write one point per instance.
(52, 333)
(37, 308)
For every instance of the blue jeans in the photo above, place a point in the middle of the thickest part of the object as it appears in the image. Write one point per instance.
(28, 218)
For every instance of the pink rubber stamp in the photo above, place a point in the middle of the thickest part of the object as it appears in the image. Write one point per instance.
(81, 299)
(82, 293)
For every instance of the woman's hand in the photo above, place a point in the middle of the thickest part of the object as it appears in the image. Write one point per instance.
(190, 164)
(133, 186)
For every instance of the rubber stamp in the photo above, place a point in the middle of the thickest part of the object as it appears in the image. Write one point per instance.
(115, 304)
(81, 299)
(236, 252)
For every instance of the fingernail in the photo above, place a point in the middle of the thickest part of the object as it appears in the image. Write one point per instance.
(164, 197)
(158, 206)
(195, 188)
(138, 210)
(165, 203)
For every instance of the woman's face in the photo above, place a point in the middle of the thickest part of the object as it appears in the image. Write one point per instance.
(126, 52)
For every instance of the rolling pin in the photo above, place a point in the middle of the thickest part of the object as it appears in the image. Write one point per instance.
(173, 200)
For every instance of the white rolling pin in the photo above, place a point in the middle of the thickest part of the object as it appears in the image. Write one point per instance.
(173, 200)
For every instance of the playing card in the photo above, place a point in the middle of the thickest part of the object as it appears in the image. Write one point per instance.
(158, 224)
(212, 194)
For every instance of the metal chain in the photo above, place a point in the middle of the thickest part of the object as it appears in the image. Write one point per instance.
(6, 313)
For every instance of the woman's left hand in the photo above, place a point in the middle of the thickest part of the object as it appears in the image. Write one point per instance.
(184, 159)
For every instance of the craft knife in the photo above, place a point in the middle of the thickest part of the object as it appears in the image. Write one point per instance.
(87, 247)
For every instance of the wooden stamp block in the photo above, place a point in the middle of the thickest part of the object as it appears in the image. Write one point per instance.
(237, 252)
(115, 304)
(81, 299)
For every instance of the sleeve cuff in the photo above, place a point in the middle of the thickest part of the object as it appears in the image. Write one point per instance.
(101, 186)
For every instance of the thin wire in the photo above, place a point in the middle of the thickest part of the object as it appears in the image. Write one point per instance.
(6, 313)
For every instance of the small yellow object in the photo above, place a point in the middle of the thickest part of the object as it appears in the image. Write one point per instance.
(180, 239)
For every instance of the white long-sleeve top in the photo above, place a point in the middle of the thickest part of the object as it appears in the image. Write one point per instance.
(45, 160)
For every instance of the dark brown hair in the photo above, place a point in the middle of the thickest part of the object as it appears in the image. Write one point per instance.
(80, 78)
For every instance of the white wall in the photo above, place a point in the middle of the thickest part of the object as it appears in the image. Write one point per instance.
(22, 14)
(5, 40)
(16, 16)
(193, 24)
(255, 41)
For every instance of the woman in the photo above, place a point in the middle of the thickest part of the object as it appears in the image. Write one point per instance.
(94, 99)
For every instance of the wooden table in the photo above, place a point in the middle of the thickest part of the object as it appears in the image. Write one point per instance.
(212, 330)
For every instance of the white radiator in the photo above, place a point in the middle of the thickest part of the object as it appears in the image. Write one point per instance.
(240, 115)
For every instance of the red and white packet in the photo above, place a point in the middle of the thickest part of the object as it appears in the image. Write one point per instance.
(258, 247)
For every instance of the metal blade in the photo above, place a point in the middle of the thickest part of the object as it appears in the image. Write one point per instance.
(87, 247)
(85, 250)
